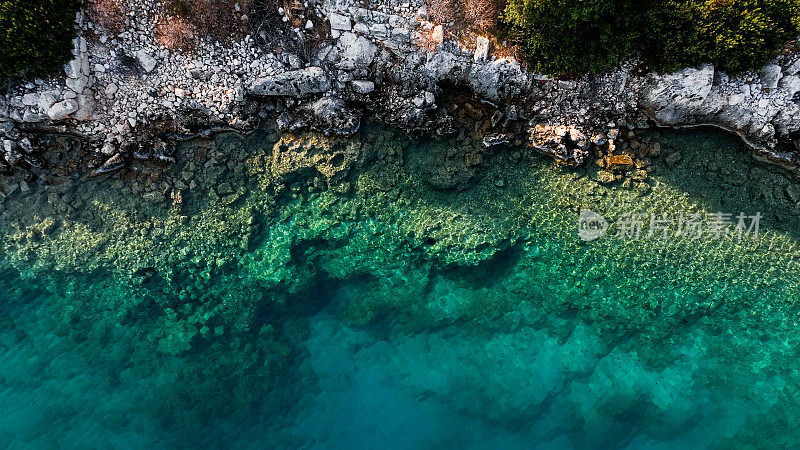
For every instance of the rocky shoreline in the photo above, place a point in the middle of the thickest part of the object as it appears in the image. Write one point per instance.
(126, 97)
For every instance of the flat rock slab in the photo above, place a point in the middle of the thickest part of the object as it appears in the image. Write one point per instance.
(677, 96)
(295, 83)
(340, 22)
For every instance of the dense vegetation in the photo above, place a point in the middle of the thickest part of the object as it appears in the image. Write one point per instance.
(35, 36)
(572, 37)
(556, 36)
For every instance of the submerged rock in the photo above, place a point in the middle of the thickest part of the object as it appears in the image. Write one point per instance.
(113, 164)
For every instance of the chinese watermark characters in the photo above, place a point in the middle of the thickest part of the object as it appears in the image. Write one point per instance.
(635, 226)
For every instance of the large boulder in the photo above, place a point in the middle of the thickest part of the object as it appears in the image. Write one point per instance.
(333, 116)
(62, 109)
(340, 22)
(86, 105)
(355, 52)
(31, 99)
(294, 83)
(674, 98)
(443, 66)
(328, 114)
(47, 99)
(791, 85)
(499, 79)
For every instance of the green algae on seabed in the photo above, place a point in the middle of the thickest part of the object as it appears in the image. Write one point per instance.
(208, 302)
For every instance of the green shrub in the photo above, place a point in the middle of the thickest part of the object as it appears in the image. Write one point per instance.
(578, 36)
(742, 34)
(569, 36)
(35, 36)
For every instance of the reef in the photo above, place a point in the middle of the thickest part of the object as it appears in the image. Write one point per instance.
(201, 277)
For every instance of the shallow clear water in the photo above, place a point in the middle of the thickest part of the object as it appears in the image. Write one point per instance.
(330, 296)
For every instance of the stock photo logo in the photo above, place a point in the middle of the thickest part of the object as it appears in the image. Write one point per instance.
(634, 226)
(591, 226)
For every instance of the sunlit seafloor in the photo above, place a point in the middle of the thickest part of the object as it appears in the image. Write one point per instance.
(331, 294)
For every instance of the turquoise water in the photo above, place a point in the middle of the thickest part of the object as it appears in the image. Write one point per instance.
(383, 292)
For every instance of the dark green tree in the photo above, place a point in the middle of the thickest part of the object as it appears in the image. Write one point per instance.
(579, 36)
(35, 36)
(742, 34)
(576, 36)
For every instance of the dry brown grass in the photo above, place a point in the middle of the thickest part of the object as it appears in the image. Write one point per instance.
(176, 33)
(441, 11)
(469, 15)
(194, 19)
(482, 15)
(109, 14)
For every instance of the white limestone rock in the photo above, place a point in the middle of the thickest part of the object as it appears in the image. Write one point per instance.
(77, 84)
(62, 109)
(675, 97)
(396, 21)
(295, 83)
(111, 89)
(147, 61)
(770, 76)
(482, 49)
(47, 99)
(498, 79)
(430, 98)
(31, 99)
(32, 115)
(401, 35)
(362, 86)
(378, 29)
(419, 100)
(793, 68)
(86, 105)
(791, 85)
(442, 66)
(340, 22)
(356, 52)
(361, 28)
(73, 68)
